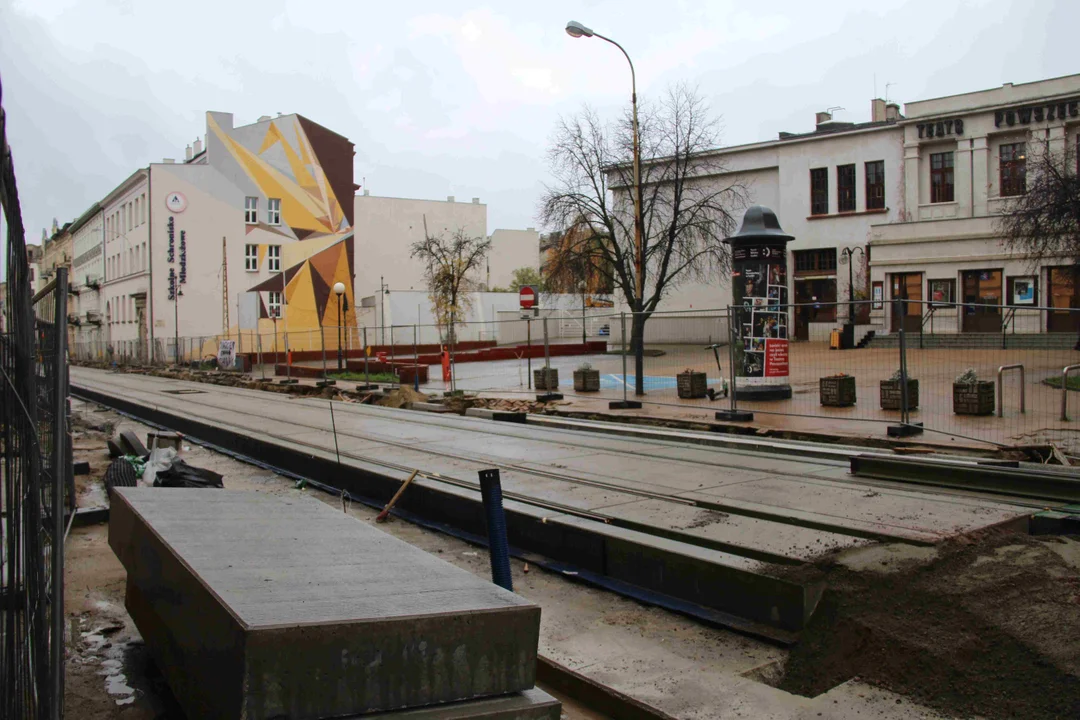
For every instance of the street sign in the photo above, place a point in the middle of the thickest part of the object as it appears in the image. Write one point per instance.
(528, 296)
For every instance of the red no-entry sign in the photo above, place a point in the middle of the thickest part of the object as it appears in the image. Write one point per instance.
(527, 297)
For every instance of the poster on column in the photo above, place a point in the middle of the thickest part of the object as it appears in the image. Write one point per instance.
(760, 296)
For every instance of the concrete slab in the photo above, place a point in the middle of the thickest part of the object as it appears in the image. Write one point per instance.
(259, 607)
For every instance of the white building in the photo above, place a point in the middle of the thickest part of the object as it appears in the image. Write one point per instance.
(965, 156)
(386, 229)
(87, 276)
(914, 197)
(828, 187)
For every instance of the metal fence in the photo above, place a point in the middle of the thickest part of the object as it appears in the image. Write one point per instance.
(36, 493)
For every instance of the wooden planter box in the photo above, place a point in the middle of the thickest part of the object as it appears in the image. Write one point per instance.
(691, 385)
(546, 379)
(586, 381)
(973, 399)
(891, 397)
(837, 391)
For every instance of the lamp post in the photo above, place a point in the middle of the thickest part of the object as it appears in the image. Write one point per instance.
(339, 290)
(582, 286)
(576, 30)
(849, 253)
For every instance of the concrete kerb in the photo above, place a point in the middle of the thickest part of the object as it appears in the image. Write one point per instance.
(729, 590)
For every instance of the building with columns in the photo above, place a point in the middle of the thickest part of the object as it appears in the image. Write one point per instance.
(912, 199)
(965, 159)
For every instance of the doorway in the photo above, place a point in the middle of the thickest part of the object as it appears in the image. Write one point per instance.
(140, 319)
(1065, 301)
(907, 315)
(815, 302)
(981, 293)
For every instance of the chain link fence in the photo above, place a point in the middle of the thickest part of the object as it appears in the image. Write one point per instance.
(36, 489)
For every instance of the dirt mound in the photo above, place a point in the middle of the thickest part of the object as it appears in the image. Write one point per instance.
(400, 397)
(990, 628)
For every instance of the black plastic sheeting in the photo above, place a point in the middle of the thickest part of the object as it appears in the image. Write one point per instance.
(182, 475)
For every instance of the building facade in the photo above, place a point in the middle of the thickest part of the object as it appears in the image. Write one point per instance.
(250, 232)
(828, 187)
(906, 207)
(87, 277)
(965, 159)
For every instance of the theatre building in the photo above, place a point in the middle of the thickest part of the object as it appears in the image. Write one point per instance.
(965, 158)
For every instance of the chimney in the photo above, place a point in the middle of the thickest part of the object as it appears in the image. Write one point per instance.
(187, 154)
(476, 201)
(196, 147)
(366, 192)
(449, 198)
(264, 118)
(168, 161)
(822, 117)
(892, 112)
(877, 110)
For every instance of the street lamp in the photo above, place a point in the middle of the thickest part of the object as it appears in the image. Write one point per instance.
(582, 286)
(849, 253)
(339, 290)
(576, 30)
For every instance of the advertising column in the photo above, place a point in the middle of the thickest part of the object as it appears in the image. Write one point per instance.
(760, 307)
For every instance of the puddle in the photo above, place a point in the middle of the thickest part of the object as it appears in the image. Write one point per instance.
(111, 655)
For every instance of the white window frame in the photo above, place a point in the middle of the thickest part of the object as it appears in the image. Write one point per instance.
(273, 258)
(273, 303)
(273, 211)
(251, 257)
(251, 210)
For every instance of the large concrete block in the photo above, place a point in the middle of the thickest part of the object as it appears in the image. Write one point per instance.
(260, 606)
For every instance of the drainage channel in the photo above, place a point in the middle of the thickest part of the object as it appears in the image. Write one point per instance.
(710, 585)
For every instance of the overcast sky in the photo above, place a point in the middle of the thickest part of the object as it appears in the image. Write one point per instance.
(455, 98)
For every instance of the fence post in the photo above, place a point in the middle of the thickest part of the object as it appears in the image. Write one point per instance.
(547, 355)
(61, 456)
(622, 322)
(732, 320)
(904, 411)
(367, 379)
(528, 340)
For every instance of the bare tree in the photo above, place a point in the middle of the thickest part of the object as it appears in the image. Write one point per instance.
(449, 264)
(688, 207)
(1044, 222)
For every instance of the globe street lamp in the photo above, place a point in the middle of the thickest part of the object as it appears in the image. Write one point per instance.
(339, 290)
(576, 30)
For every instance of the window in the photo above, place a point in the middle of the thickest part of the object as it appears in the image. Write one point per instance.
(142, 218)
(845, 186)
(941, 177)
(1013, 159)
(273, 252)
(251, 257)
(129, 217)
(815, 261)
(138, 209)
(274, 303)
(145, 259)
(875, 185)
(273, 211)
(819, 191)
(251, 210)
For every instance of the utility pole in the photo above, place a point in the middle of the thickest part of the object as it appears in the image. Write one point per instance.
(224, 289)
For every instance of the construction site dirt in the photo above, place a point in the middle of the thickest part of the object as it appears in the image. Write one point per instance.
(984, 625)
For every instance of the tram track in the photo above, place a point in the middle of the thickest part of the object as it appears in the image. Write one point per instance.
(801, 521)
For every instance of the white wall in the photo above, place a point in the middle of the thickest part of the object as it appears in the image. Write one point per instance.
(387, 227)
(510, 250)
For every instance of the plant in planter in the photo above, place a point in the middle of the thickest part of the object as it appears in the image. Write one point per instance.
(837, 390)
(972, 396)
(546, 378)
(586, 378)
(892, 393)
(691, 384)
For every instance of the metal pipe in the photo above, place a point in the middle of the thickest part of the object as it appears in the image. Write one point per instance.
(60, 462)
(1001, 394)
(1065, 390)
(622, 320)
(547, 359)
(732, 324)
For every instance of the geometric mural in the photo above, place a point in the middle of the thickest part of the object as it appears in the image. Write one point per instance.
(310, 169)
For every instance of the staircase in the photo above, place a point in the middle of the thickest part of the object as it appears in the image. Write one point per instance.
(1022, 341)
(866, 340)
